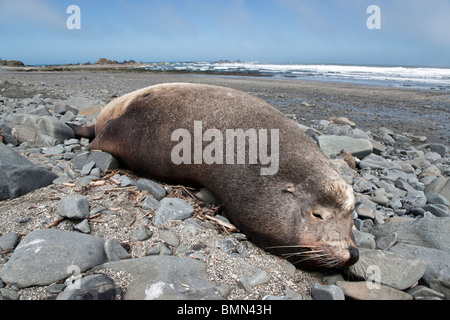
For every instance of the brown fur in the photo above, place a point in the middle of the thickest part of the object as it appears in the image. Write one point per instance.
(314, 214)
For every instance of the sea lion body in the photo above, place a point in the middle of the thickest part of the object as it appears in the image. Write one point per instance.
(302, 212)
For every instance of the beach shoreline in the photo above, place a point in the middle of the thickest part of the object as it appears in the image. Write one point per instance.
(415, 111)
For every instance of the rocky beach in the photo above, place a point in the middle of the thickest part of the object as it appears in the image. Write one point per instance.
(76, 225)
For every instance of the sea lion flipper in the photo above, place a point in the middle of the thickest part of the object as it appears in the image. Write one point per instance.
(84, 130)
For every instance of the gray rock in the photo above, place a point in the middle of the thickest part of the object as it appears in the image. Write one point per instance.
(365, 211)
(437, 274)
(62, 108)
(360, 290)
(327, 292)
(364, 239)
(155, 189)
(250, 276)
(114, 250)
(45, 256)
(8, 241)
(362, 185)
(40, 111)
(19, 176)
(9, 294)
(440, 186)
(439, 148)
(421, 292)
(434, 198)
(83, 226)
(386, 242)
(159, 249)
(103, 160)
(206, 196)
(46, 130)
(68, 116)
(414, 199)
(169, 238)
(332, 278)
(431, 171)
(125, 181)
(374, 161)
(394, 270)
(429, 232)
(436, 211)
(141, 234)
(172, 209)
(73, 207)
(91, 287)
(380, 197)
(86, 170)
(395, 203)
(332, 145)
(230, 246)
(166, 278)
(150, 203)
(53, 150)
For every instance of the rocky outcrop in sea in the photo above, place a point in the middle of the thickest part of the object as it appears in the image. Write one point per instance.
(76, 225)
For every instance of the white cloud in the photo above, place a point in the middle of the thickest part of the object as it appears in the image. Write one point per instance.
(34, 12)
(427, 21)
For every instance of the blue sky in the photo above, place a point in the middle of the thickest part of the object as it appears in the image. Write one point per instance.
(413, 32)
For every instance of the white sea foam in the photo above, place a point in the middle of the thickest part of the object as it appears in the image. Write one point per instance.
(390, 76)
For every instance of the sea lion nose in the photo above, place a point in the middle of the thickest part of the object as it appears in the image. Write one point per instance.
(354, 255)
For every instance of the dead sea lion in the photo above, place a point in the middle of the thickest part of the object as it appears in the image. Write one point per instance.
(275, 184)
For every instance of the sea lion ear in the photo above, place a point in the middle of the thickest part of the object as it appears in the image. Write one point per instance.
(289, 188)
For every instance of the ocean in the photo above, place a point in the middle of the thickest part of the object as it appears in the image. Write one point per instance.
(408, 77)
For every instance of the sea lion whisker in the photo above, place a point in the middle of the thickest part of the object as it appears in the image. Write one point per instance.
(291, 254)
(294, 246)
(314, 256)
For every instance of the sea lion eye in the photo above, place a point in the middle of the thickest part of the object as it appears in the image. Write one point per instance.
(317, 215)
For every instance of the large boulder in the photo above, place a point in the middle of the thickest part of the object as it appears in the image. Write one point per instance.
(437, 274)
(166, 278)
(332, 145)
(45, 130)
(432, 232)
(45, 256)
(19, 176)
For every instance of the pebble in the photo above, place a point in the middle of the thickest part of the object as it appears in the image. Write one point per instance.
(91, 287)
(155, 189)
(327, 292)
(9, 294)
(86, 170)
(8, 241)
(169, 238)
(172, 209)
(386, 242)
(141, 234)
(83, 226)
(115, 251)
(73, 207)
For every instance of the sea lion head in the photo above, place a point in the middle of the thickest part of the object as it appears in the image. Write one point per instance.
(316, 231)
